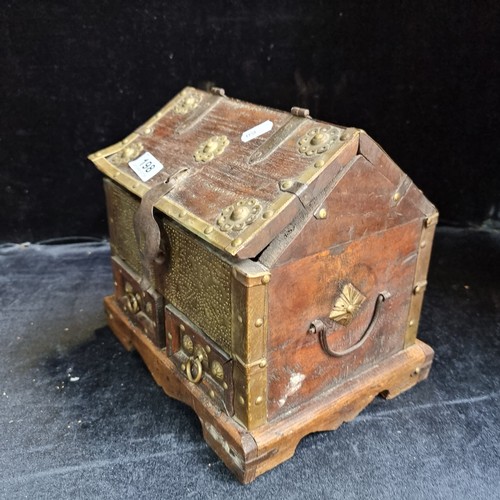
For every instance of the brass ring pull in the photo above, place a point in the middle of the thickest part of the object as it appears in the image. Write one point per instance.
(319, 327)
(131, 303)
(197, 368)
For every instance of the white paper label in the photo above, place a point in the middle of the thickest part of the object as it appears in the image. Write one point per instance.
(146, 166)
(257, 131)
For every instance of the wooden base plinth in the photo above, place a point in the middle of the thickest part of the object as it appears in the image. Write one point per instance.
(249, 454)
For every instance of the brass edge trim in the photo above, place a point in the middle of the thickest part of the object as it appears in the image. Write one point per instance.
(250, 273)
(310, 174)
(260, 363)
(249, 351)
(134, 185)
(419, 279)
(167, 206)
(192, 222)
(114, 148)
(432, 220)
(134, 135)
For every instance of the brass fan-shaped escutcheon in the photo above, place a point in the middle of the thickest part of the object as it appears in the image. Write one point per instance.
(347, 305)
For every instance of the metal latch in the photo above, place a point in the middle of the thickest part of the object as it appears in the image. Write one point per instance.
(147, 232)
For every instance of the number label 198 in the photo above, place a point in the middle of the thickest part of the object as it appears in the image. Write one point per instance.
(146, 166)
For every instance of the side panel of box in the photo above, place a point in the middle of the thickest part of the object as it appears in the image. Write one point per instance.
(121, 207)
(350, 276)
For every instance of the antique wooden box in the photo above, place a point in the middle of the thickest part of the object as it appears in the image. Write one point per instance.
(269, 268)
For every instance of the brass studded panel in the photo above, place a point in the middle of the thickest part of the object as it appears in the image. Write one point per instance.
(198, 283)
(121, 209)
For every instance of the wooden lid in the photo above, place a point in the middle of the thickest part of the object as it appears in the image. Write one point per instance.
(249, 169)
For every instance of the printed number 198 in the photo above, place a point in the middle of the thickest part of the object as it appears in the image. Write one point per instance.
(147, 165)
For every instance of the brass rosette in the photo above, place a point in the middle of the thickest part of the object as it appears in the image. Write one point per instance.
(318, 140)
(347, 305)
(187, 344)
(240, 215)
(217, 370)
(211, 148)
(187, 103)
(128, 153)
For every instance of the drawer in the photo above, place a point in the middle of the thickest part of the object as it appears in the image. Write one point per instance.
(143, 308)
(199, 358)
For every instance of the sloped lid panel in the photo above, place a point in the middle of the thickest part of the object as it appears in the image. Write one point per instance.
(237, 192)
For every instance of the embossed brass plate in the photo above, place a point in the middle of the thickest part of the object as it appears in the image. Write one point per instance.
(198, 283)
(211, 148)
(187, 103)
(318, 140)
(347, 305)
(129, 153)
(238, 216)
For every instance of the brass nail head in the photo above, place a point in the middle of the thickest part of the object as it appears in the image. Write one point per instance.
(259, 400)
(322, 213)
(265, 279)
(259, 322)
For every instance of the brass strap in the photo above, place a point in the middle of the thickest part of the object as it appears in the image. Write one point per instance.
(267, 148)
(147, 232)
(208, 103)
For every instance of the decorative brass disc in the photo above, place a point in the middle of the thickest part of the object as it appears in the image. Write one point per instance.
(187, 344)
(240, 215)
(318, 140)
(347, 305)
(211, 148)
(187, 103)
(217, 370)
(129, 153)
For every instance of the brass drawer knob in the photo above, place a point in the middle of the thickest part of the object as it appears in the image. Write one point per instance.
(194, 370)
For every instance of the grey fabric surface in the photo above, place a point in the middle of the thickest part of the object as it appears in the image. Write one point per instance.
(82, 418)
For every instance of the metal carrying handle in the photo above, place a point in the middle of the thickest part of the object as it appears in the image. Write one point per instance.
(317, 326)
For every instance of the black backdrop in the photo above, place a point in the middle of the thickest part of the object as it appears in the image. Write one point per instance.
(421, 77)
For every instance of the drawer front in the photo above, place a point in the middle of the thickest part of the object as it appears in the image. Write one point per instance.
(199, 359)
(194, 278)
(143, 308)
(197, 282)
